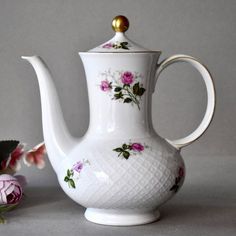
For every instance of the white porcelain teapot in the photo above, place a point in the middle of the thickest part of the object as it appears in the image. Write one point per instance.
(121, 170)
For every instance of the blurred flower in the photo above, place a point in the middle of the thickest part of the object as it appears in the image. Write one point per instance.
(12, 163)
(11, 187)
(35, 156)
(16, 155)
(10, 190)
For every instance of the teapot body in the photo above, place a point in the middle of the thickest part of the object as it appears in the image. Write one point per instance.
(121, 164)
(101, 179)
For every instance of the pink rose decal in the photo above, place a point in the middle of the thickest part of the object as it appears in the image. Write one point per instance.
(127, 78)
(78, 166)
(130, 149)
(138, 147)
(108, 45)
(73, 174)
(105, 86)
(10, 190)
(124, 87)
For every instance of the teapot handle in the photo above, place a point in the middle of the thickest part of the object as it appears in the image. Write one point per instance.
(179, 143)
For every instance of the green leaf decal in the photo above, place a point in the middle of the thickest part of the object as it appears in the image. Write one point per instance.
(124, 45)
(66, 179)
(118, 150)
(68, 173)
(71, 183)
(118, 95)
(136, 88)
(127, 100)
(129, 149)
(126, 154)
(141, 91)
(117, 89)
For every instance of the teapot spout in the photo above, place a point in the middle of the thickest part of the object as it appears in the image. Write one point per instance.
(57, 139)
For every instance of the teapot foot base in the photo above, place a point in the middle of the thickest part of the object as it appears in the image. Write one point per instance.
(121, 217)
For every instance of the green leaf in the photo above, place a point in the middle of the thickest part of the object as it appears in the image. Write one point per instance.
(118, 95)
(126, 155)
(71, 183)
(2, 220)
(117, 89)
(128, 100)
(125, 146)
(136, 88)
(118, 150)
(4, 208)
(141, 91)
(66, 179)
(70, 173)
(124, 45)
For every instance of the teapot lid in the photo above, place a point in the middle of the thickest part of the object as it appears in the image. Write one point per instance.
(120, 42)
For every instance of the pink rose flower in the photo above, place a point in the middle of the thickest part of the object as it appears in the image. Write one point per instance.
(138, 147)
(105, 86)
(127, 78)
(10, 190)
(36, 156)
(108, 45)
(78, 166)
(16, 155)
(13, 162)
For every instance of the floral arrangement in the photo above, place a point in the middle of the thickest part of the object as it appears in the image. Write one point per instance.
(117, 45)
(12, 152)
(125, 86)
(130, 149)
(73, 174)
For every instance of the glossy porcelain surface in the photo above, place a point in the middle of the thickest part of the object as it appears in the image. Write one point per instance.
(121, 170)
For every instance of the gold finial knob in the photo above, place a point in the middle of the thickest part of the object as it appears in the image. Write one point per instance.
(120, 24)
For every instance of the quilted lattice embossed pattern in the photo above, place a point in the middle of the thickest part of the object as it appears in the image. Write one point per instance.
(142, 181)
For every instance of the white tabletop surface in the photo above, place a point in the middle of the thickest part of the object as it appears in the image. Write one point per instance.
(206, 205)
